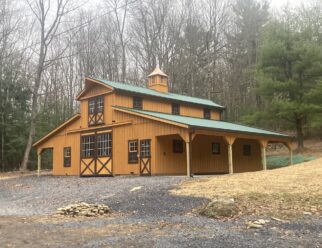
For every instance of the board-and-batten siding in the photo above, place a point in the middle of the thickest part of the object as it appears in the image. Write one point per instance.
(244, 163)
(58, 142)
(126, 100)
(159, 105)
(163, 160)
(203, 160)
(140, 128)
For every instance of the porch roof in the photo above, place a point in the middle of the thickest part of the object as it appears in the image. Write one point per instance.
(195, 122)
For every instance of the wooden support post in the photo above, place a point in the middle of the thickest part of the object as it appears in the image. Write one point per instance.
(290, 150)
(230, 158)
(188, 153)
(291, 155)
(188, 137)
(263, 144)
(230, 141)
(39, 162)
(263, 152)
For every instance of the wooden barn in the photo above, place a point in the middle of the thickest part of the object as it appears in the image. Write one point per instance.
(124, 129)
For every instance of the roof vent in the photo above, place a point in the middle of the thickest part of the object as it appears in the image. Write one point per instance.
(158, 81)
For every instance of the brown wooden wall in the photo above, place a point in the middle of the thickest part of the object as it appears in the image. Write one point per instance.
(126, 100)
(58, 142)
(244, 163)
(203, 160)
(140, 128)
(168, 162)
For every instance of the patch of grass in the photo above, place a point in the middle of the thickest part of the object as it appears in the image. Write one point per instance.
(285, 192)
(274, 162)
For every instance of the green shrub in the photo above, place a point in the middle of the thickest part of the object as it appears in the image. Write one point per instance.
(274, 162)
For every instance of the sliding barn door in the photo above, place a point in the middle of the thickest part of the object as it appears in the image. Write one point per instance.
(96, 155)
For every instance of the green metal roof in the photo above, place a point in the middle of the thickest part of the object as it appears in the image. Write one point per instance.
(170, 96)
(206, 123)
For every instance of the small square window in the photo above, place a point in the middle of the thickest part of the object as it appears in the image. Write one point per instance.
(215, 148)
(247, 150)
(206, 113)
(175, 109)
(137, 102)
(177, 146)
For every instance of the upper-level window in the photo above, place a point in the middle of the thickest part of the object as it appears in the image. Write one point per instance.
(206, 113)
(175, 109)
(95, 110)
(137, 102)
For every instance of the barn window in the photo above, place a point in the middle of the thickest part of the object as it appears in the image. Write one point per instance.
(145, 148)
(88, 146)
(95, 110)
(137, 102)
(206, 113)
(91, 106)
(247, 150)
(104, 145)
(67, 156)
(215, 148)
(175, 109)
(133, 151)
(177, 146)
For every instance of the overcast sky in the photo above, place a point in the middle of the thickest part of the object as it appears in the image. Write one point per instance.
(279, 3)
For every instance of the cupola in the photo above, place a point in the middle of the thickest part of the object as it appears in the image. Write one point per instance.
(158, 81)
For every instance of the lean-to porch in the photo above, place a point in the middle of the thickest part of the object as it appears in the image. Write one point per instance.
(209, 152)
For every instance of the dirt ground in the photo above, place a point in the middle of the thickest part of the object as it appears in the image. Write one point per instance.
(149, 216)
(286, 192)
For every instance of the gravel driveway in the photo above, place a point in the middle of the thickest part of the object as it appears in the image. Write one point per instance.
(147, 217)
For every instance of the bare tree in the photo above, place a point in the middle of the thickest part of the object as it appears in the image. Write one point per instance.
(120, 23)
(49, 25)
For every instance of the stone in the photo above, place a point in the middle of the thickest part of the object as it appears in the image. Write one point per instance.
(253, 225)
(220, 207)
(307, 213)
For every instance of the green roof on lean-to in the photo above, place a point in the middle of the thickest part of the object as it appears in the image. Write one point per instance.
(205, 123)
(169, 95)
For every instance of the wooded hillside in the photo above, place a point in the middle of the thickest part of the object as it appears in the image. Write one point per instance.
(264, 65)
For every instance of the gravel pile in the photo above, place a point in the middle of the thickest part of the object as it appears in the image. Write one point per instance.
(84, 209)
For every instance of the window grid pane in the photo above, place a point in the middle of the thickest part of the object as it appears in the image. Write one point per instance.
(99, 104)
(87, 146)
(67, 156)
(145, 148)
(133, 151)
(91, 106)
(104, 145)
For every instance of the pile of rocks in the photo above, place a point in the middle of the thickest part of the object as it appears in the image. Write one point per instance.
(84, 209)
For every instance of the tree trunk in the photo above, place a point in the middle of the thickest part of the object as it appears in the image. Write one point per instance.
(32, 128)
(299, 133)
